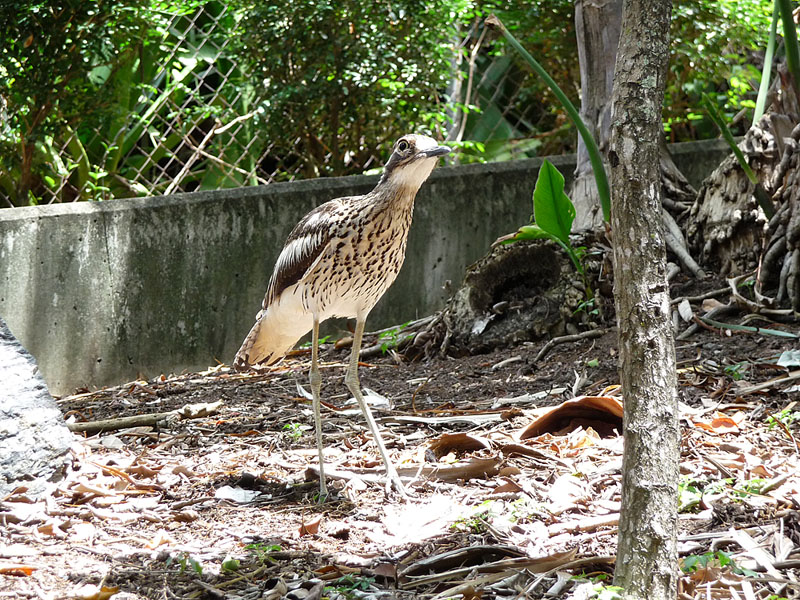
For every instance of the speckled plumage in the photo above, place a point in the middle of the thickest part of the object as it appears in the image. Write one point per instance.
(338, 262)
(339, 259)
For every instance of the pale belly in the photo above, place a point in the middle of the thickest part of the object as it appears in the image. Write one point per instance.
(353, 274)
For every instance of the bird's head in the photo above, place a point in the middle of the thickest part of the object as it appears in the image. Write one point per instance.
(412, 160)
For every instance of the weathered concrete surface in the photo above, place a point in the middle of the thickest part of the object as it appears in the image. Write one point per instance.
(33, 437)
(101, 293)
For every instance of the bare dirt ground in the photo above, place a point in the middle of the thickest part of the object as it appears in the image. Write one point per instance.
(220, 501)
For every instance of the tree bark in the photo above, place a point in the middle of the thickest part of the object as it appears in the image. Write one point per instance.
(597, 27)
(646, 564)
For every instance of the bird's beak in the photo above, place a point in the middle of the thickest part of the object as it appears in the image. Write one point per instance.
(435, 151)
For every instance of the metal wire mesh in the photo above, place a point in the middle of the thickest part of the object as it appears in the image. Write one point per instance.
(192, 125)
(188, 130)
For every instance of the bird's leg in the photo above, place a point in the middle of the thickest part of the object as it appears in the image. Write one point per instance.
(351, 380)
(316, 384)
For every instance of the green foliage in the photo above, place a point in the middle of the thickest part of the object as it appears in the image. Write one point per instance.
(55, 60)
(766, 70)
(759, 192)
(515, 112)
(713, 44)
(186, 561)
(394, 337)
(340, 81)
(786, 416)
(737, 371)
(323, 340)
(88, 109)
(96, 97)
(790, 37)
(553, 214)
(588, 307)
(351, 586)
(691, 491)
(293, 430)
(477, 522)
(689, 495)
(263, 551)
(598, 168)
(696, 562)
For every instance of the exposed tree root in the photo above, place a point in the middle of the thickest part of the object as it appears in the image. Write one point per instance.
(729, 229)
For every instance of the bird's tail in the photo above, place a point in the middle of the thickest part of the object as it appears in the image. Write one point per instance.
(273, 335)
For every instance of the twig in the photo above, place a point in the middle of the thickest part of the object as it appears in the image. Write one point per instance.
(189, 411)
(188, 164)
(700, 298)
(714, 312)
(768, 384)
(506, 362)
(564, 339)
(608, 560)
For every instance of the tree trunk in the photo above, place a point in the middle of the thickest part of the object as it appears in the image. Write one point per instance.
(597, 26)
(646, 565)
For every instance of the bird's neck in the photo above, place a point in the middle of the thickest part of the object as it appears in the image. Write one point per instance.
(395, 195)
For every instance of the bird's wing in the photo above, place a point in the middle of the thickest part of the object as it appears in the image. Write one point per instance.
(303, 247)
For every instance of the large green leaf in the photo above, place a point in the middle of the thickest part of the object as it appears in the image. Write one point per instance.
(553, 211)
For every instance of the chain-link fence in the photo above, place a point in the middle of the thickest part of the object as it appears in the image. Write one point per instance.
(188, 118)
(189, 128)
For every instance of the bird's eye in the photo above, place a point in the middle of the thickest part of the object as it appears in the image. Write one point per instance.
(402, 146)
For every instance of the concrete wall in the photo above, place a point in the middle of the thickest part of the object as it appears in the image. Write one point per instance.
(100, 293)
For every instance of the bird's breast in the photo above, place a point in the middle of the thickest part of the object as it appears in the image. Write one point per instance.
(361, 262)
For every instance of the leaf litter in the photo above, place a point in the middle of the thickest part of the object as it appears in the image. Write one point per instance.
(515, 481)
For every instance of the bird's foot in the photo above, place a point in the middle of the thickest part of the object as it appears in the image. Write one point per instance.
(322, 496)
(393, 481)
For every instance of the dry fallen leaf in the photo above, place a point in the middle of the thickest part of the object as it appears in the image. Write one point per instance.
(507, 487)
(457, 442)
(311, 527)
(17, 569)
(601, 413)
(92, 592)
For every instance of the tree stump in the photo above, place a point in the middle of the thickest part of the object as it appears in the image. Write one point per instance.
(730, 229)
(519, 292)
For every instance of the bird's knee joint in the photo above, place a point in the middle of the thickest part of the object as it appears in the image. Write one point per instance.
(315, 377)
(351, 383)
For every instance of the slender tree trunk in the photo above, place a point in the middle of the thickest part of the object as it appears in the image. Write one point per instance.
(597, 26)
(646, 557)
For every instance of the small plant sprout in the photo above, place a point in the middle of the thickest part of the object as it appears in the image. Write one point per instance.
(697, 562)
(393, 338)
(553, 214)
(322, 340)
(262, 551)
(787, 416)
(737, 371)
(477, 522)
(186, 560)
(350, 586)
(230, 564)
(294, 430)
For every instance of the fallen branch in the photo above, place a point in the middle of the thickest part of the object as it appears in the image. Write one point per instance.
(189, 411)
(768, 384)
(564, 339)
